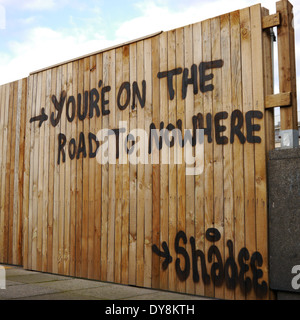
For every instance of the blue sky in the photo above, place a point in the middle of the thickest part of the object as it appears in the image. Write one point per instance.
(38, 33)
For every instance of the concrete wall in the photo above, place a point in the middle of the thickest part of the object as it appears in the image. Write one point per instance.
(284, 222)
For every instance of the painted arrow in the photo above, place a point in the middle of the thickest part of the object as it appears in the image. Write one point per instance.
(41, 118)
(164, 254)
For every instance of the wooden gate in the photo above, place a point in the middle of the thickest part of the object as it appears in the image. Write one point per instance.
(104, 195)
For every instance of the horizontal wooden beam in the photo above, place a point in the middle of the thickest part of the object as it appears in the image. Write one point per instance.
(271, 21)
(278, 100)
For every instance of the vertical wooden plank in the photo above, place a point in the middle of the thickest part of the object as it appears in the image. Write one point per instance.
(148, 167)
(209, 153)
(98, 186)
(190, 179)
(73, 172)
(164, 157)
(4, 227)
(248, 147)
(28, 191)
(46, 174)
(238, 149)
(34, 178)
(155, 42)
(125, 179)
(133, 180)
(2, 115)
(92, 166)
(23, 150)
(268, 84)
(269, 90)
(9, 175)
(25, 206)
(62, 172)
(286, 63)
(229, 234)
(180, 112)
(105, 168)
(79, 186)
(260, 174)
(2, 110)
(218, 165)
(5, 106)
(34, 172)
(111, 55)
(20, 169)
(140, 174)
(8, 165)
(68, 168)
(118, 194)
(52, 164)
(15, 209)
(40, 168)
(9, 116)
(73, 179)
(172, 167)
(10, 186)
(85, 169)
(199, 179)
(7, 172)
(56, 216)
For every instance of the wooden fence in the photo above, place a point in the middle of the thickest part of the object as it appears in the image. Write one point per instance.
(90, 211)
(12, 133)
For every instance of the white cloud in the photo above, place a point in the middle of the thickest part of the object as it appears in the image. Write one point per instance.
(44, 47)
(153, 18)
(156, 16)
(39, 4)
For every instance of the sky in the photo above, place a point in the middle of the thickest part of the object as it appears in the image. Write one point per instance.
(35, 34)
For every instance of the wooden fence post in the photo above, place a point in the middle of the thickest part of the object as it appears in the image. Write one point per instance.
(287, 74)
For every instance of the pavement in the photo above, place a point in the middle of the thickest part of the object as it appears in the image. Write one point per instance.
(31, 285)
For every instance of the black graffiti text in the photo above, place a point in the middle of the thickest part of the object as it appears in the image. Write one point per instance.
(156, 138)
(193, 79)
(213, 127)
(95, 102)
(228, 271)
